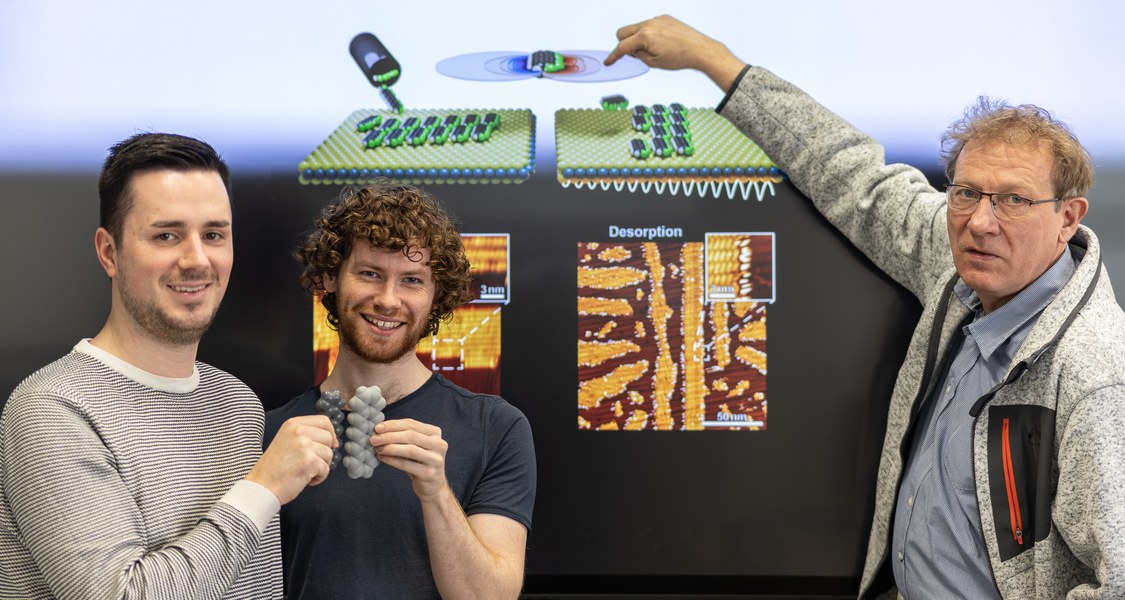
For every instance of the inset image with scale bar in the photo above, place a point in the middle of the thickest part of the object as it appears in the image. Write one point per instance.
(740, 267)
(655, 353)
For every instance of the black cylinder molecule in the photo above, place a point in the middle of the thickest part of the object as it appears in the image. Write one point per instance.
(377, 64)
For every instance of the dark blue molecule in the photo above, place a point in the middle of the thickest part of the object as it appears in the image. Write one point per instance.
(524, 173)
(727, 170)
(705, 171)
(477, 173)
(409, 173)
(659, 171)
(681, 171)
(489, 173)
(647, 172)
(443, 173)
(399, 173)
(693, 171)
(353, 173)
(308, 174)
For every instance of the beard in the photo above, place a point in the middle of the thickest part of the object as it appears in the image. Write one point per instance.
(162, 326)
(361, 344)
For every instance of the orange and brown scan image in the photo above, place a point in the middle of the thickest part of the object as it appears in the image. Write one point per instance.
(466, 349)
(656, 351)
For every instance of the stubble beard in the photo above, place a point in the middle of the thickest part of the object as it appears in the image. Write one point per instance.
(356, 341)
(162, 326)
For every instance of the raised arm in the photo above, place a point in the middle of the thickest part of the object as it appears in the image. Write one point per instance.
(890, 212)
(666, 43)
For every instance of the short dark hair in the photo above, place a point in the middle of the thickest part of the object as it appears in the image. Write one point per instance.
(149, 152)
(392, 217)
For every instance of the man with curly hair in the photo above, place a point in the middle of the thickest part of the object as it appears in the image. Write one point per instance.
(447, 514)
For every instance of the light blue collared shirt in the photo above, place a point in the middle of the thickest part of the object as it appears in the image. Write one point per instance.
(937, 547)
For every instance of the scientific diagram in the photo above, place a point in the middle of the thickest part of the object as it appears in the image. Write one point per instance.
(426, 146)
(657, 350)
(663, 149)
(575, 66)
(420, 146)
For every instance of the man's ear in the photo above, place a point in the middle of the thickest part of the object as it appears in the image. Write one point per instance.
(1073, 210)
(106, 248)
(328, 282)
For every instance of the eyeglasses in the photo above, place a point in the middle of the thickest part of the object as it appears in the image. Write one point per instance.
(963, 200)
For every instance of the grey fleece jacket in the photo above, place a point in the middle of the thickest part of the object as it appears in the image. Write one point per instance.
(1049, 440)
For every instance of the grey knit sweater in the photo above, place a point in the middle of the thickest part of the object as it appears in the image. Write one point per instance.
(116, 483)
(1049, 441)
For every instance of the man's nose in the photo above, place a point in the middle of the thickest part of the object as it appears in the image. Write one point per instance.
(387, 296)
(984, 219)
(194, 254)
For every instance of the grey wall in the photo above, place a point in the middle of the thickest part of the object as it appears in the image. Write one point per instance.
(1107, 218)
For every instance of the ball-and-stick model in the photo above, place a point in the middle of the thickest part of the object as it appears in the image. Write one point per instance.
(366, 412)
(331, 405)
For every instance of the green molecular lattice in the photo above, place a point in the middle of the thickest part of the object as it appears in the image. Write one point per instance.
(508, 156)
(594, 146)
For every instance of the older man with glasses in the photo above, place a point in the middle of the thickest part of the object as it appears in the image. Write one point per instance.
(1001, 474)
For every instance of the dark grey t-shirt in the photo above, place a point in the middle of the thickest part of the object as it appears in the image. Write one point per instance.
(364, 538)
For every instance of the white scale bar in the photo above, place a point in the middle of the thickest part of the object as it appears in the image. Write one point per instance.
(733, 423)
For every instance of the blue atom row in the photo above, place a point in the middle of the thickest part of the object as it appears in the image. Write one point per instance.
(443, 173)
(670, 171)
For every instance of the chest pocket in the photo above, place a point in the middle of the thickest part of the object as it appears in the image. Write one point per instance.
(1020, 478)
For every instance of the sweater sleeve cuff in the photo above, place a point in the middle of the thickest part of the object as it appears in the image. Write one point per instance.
(253, 500)
(733, 87)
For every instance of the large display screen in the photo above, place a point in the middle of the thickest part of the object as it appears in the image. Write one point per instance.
(704, 362)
